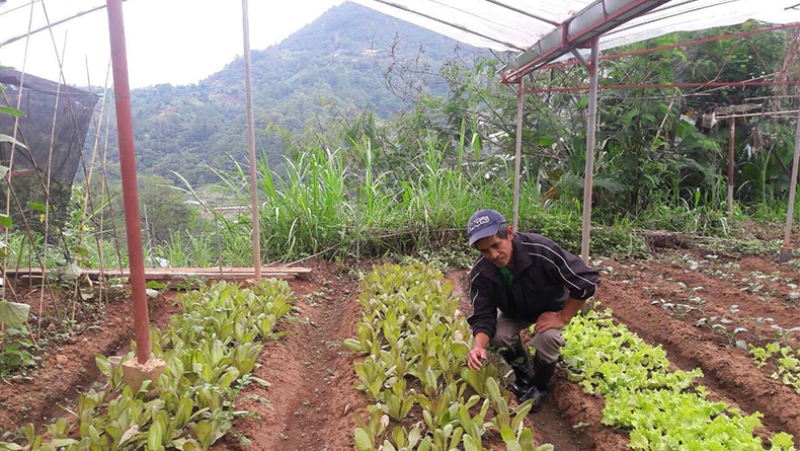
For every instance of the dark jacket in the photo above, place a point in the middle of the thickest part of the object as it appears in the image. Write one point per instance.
(544, 276)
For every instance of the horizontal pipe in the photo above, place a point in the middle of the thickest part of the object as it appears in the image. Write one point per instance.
(679, 44)
(525, 13)
(47, 27)
(766, 113)
(584, 36)
(666, 85)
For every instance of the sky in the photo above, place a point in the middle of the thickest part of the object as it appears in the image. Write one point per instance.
(168, 41)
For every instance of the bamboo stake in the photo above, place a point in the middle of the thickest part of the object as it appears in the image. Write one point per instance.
(13, 145)
(78, 137)
(110, 205)
(251, 142)
(731, 166)
(518, 150)
(88, 180)
(47, 198)
(102, 210)
(591, 129)
(29, 233)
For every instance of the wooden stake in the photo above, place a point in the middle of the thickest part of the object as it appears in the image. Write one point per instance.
(251, 141)
(47, 197)
(518, 150)
(731, 143)
(14, 135)
(591, 129)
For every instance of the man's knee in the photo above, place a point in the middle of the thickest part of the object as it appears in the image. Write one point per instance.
(505, 339)
(548, 345)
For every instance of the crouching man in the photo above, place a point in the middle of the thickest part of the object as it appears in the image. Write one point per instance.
(521, 279)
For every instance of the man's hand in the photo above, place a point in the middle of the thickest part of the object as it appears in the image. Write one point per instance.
(549, 320)
(475, 357)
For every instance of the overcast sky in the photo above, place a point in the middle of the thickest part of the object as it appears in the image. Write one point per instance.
(169, 41)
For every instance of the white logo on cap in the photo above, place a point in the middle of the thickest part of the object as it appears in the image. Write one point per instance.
(478, 222)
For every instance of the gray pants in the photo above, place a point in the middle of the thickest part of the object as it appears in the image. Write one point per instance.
(547, 344)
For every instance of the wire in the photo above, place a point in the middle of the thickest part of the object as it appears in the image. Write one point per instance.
(19, 7)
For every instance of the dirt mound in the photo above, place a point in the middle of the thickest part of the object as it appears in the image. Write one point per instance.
(311, 400)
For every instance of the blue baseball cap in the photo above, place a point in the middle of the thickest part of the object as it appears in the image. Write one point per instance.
(484, 223)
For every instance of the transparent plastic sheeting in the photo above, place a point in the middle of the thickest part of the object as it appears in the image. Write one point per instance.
(504, 29)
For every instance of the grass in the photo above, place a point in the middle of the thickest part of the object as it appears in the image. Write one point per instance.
(323, 205)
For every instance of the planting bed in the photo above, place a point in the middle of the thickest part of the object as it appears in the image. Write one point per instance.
(311, 402)
(67, 366)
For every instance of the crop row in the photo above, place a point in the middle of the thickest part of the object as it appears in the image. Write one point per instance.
(210, 350)
(786, 360)
(416, 343)
(662, 409)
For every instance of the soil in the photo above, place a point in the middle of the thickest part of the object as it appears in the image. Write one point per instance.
(68, 367)
(311, 400)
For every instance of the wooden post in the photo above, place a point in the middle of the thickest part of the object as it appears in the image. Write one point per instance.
(251, 140)
(786, 249)
(591, 128)
(731, 143)
(518, 153)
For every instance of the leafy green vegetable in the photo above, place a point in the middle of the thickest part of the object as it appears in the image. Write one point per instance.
(662, 409)
(417, 343)
(208, 350)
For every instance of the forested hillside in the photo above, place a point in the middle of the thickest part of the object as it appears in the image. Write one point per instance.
(335, 65)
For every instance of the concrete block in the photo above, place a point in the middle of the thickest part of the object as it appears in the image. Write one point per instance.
(134, 374)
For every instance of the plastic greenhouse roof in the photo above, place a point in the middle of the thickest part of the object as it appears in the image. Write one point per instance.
(515, 25)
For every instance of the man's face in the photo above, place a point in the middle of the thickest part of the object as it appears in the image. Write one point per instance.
(499, 250)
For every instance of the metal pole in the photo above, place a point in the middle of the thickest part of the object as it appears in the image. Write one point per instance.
(251, 141)
(591, 128)
(731, 143)
(786, 249)
(127, 163)
(518, 154)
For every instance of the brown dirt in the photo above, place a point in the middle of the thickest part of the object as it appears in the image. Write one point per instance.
(730, 373)
(554, 423)
(311, 401)
(68, 368)
(661, 278)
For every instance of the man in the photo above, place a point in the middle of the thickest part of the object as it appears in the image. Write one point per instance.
(521, 279)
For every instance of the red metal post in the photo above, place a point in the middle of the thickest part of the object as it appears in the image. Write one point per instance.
(127, 163)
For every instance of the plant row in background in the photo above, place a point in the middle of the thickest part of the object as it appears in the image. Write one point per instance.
(785, 359)
(423, 396)
(662, 409)
(210, 350)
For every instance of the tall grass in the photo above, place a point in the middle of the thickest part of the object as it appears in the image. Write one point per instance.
(336, 204)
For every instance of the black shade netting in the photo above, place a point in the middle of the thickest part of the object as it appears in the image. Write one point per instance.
(29, 175)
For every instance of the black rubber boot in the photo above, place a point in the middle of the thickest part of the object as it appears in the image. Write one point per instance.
(543, 372)
(517, 358)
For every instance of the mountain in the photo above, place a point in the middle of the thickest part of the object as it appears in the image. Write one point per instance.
(333, 65)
